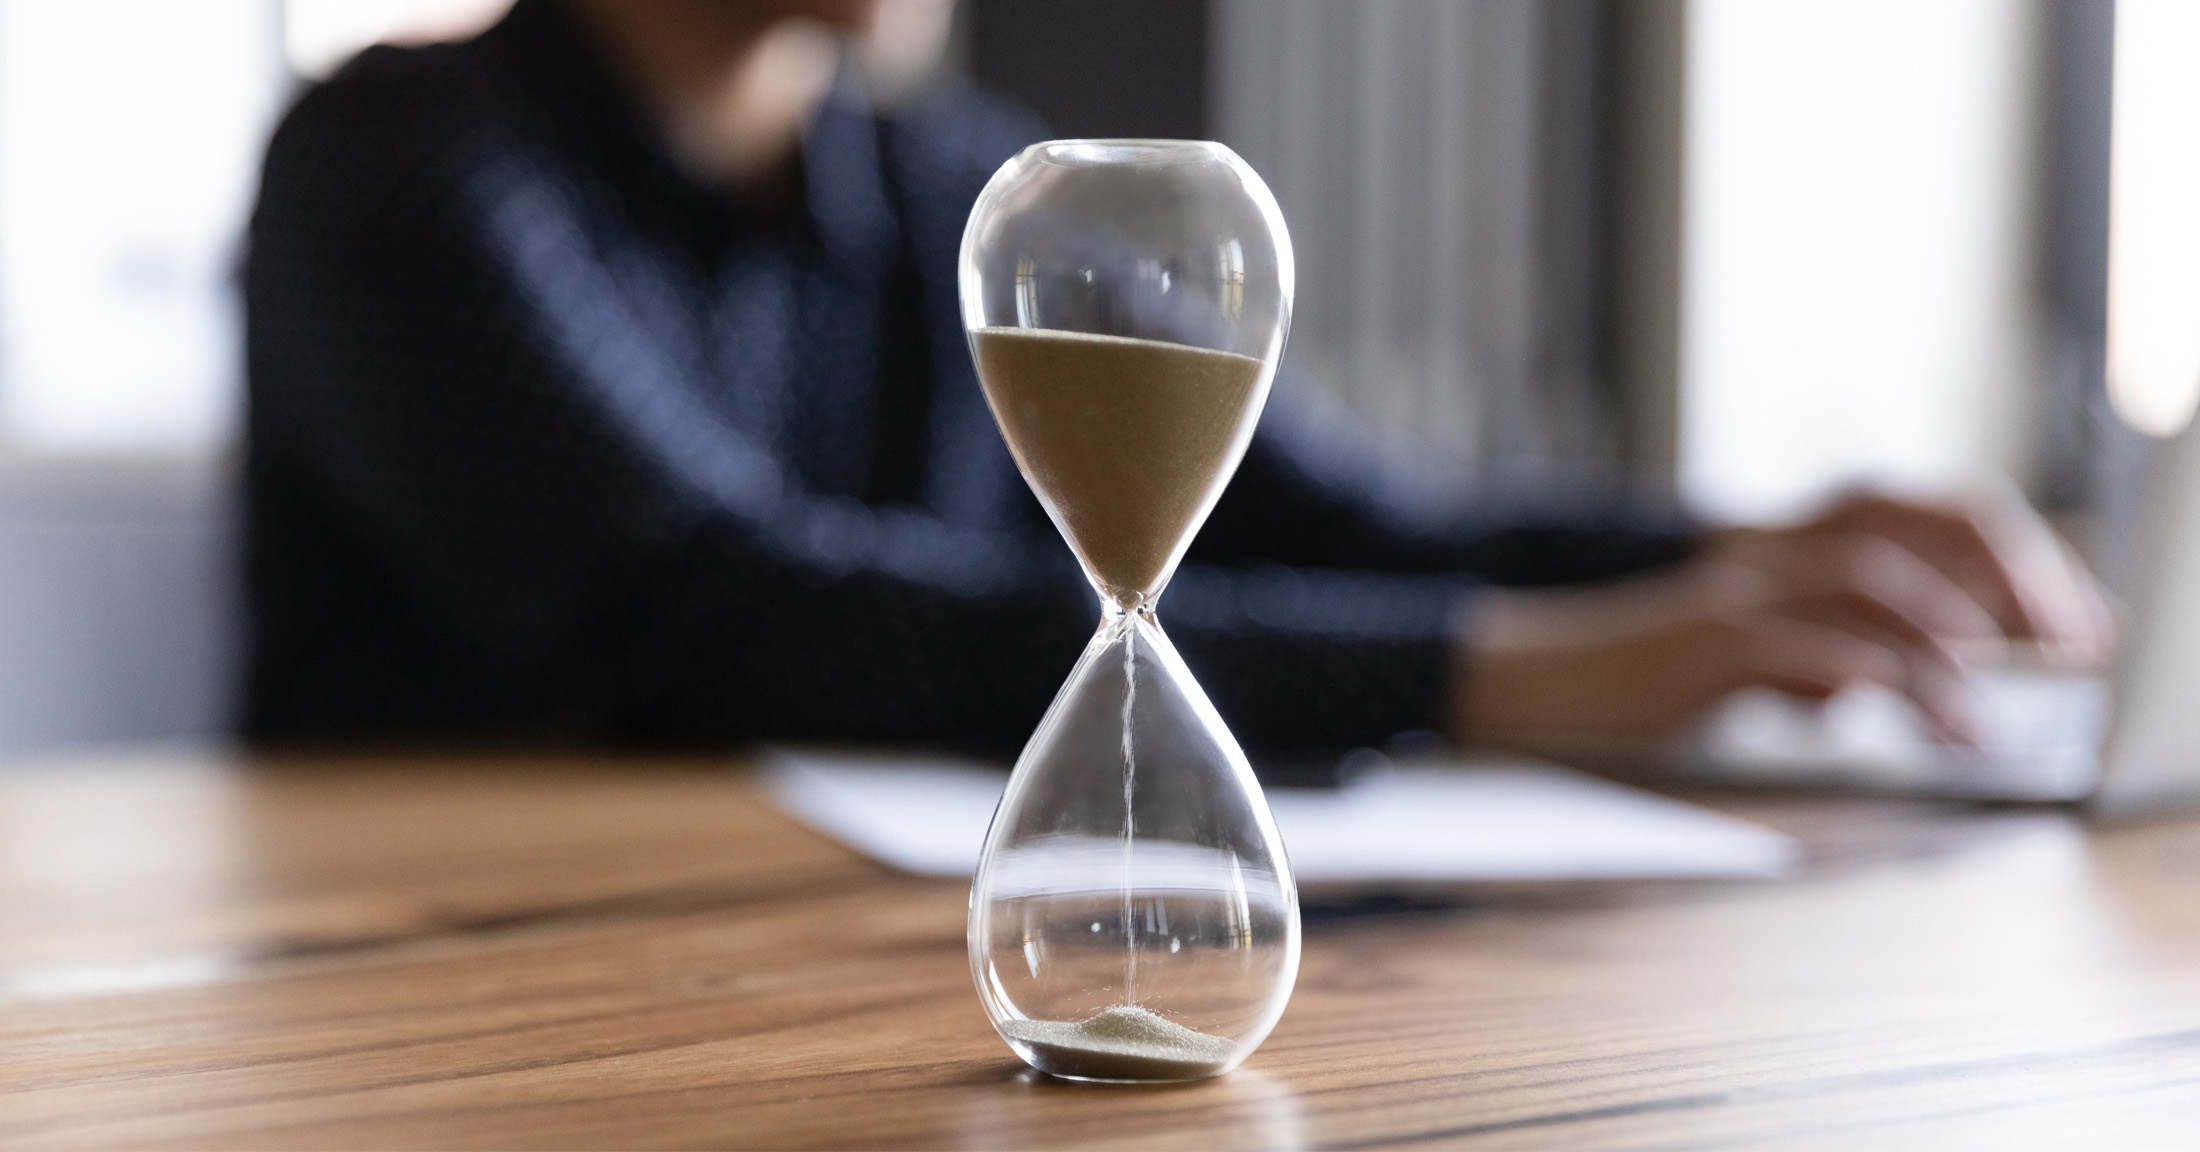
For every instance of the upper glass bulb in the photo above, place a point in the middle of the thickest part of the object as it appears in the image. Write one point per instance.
(1127, 302)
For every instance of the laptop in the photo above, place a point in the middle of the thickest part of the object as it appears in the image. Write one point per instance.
(2122, 744)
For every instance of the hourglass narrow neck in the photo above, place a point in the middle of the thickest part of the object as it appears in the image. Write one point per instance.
(1116, 608)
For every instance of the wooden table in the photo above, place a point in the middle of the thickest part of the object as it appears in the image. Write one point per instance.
(200, 952)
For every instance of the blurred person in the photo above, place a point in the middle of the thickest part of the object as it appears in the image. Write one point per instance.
(609, 384)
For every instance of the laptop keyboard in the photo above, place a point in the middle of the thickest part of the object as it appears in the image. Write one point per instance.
(2039, 738)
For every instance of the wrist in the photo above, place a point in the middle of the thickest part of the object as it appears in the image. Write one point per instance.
(1496, 637)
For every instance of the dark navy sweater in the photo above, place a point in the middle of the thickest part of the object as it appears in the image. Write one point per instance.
(550, 441)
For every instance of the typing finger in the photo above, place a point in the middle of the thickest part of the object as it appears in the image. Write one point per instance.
(1815, 661)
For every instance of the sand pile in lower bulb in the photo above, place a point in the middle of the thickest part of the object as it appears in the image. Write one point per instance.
(1123, 1043)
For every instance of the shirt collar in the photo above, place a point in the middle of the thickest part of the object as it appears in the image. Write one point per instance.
(844, 178)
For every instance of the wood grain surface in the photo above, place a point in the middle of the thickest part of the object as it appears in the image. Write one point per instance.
(197, 951)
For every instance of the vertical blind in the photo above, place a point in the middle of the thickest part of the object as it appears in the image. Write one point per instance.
(1439, 168)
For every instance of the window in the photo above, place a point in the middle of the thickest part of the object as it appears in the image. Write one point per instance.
(130, 139)
(129, 134)
(2154, 216)
(1854, 242)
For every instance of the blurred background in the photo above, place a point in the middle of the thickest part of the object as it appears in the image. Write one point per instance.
(1740, 253)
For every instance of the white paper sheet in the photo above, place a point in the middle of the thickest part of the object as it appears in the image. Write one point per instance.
(1426, 822)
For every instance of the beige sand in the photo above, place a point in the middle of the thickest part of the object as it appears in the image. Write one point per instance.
(1126, 441)
(1123, 1043)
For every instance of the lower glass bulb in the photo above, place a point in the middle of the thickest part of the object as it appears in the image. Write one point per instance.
(1133, 917)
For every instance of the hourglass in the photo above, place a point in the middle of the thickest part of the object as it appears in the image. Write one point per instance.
(1133, 917)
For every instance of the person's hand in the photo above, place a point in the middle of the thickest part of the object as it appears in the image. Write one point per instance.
(1875, 589)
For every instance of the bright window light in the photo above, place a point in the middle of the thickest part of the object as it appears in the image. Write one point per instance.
(130, 133)
(130, 141)
(1848, 249)
(2154, 216)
